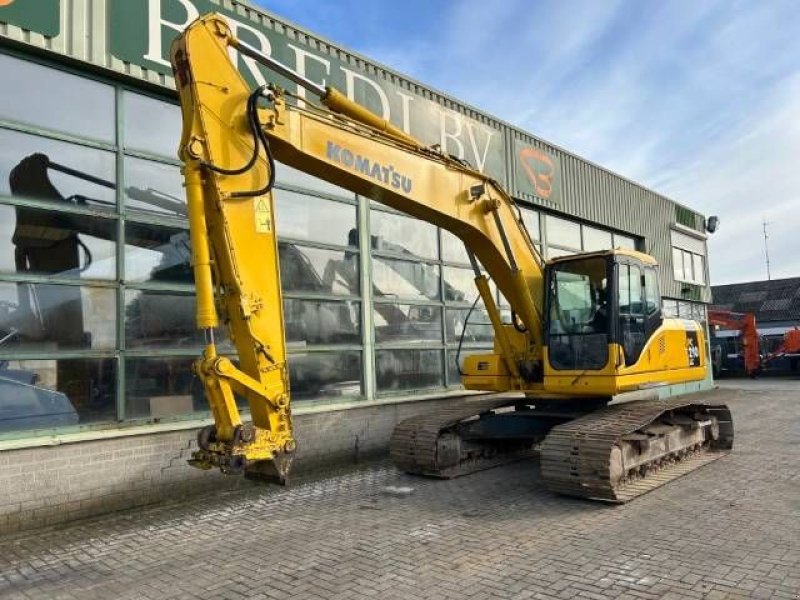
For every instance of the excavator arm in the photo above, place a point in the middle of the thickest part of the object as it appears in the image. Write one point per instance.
(231, 137)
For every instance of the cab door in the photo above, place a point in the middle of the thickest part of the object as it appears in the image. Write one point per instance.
(631, 321)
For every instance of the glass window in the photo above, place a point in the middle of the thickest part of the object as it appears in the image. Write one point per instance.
(556, 252)
(45, 242)
(478, 329)
(404, 370)
(285, 174)
(151, 125)
(596, 239)
(320, 271)
(453, 249)
(403, 235)
(563, 233)
(43, 318)
(43, 394)
(407, 323)
(315, 219)
(651, 290)
(29, 168)
(404, 279)
(677, 264)
(623, 241)
(579, 297)
(670, 308)
(56, 100)
(326, 375)
(688, 266)
(699, 269)
(459, 285)
(321, 322)
(157, 253)
(531, 220)
(162, 387)
(630, 290)
(155, 319)
(154, 187)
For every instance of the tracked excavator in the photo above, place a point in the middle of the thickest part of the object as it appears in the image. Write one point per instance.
(574, 375)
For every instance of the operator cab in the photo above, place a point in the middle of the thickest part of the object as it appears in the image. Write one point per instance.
(597, 299)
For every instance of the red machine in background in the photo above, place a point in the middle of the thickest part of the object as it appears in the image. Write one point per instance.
(789, 345)
(745, 324)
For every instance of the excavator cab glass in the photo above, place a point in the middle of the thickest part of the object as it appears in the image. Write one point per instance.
(596, 300)
(579, 321)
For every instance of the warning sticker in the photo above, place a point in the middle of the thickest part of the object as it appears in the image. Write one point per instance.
(263, 216)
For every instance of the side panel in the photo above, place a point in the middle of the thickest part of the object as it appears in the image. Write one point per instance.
(675, 353)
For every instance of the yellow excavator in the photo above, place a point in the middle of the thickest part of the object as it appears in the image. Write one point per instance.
(575, 373)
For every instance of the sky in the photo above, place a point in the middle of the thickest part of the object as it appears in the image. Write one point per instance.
(699, 101)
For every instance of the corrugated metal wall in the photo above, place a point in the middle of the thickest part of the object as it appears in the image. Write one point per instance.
(588, 192)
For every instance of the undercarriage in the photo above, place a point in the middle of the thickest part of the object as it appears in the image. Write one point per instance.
(586, 449)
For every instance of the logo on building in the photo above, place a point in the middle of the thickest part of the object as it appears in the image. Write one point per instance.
(39, 16)
(538, 173)
(141, 31)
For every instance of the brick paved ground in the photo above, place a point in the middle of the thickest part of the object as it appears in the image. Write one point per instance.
(730, 530)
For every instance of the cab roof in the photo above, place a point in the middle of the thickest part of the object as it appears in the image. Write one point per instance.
(635, 254)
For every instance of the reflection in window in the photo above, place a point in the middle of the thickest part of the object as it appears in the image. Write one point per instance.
(157, 253)
(151, 125)
(563, 233)
(407, 323)
(325, 375)
(531, 220)
(42, 242)
(162, 387)
(596, 239)
(453, 249)
(155, 319)
(478, 328)
(42, 317)
(459, 285)
(321, 322)
(154, 187)
(82, 107)
(319, 271)
(289, 176)
(43, 394)
(311, 218)
(399, 234)
(406, 370)
(557, 252)
(623, 241)
(670, 308)
(404, 279)
(34, 167)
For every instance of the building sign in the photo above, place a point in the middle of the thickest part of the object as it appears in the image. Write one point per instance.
(41, 16)
(538, 173)
(141, 31)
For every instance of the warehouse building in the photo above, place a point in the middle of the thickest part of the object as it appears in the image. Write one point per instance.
(98, 403)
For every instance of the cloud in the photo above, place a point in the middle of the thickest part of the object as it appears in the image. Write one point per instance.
(698, 101)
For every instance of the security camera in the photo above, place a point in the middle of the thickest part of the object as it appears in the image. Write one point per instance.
(712, 224)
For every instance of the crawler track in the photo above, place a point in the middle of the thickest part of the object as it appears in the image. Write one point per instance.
(576, 457)
(612, 454)
(422, 445)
